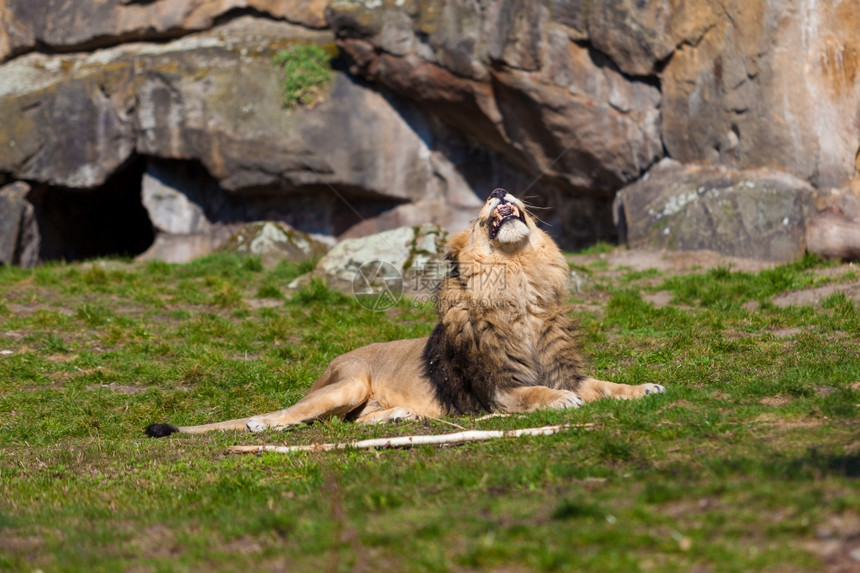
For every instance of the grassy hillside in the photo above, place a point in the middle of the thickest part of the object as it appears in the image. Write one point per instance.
(749, 462)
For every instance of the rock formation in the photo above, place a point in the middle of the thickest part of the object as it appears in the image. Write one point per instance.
(161, 123)
(757, 214)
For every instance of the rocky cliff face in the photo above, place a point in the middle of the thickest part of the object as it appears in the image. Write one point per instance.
(128, 120)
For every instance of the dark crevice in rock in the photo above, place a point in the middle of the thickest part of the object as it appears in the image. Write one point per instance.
(603, 60)
(694, 42)
(102, 42)
(317, 208)
(661, 64)
(236, 13)
(312, 208)
(79, 224)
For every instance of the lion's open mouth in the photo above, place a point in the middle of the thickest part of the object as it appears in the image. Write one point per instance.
(505, 211)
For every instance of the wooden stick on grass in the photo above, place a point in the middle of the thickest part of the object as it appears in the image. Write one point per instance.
(410, 441)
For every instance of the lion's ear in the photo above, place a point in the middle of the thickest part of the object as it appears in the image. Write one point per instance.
(457, 242)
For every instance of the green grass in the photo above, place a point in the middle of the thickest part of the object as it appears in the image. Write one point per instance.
(599, 248)
(751, 452)
(721, 286)
(307, 73)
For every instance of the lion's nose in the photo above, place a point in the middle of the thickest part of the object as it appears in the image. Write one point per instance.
(498, 193)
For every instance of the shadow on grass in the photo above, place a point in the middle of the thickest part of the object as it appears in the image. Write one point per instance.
(838, 465)
(815, 464)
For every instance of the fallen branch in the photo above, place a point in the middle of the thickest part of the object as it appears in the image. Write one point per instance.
(410, 441)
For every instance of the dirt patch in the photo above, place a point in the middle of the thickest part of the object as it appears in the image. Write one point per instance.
(61, 358)
(672, 262)
(157, 541)
(620, 261)
(19, 545)
(814, 296)
(777, 421)
(595, 310)
(119, 388)
(786, 332)
(659, 299)
(245, 545)
(255, 303)
(30, 308)
(837, 543)
(775, 401)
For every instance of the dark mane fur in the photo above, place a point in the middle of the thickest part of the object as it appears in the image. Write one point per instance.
(449, 374)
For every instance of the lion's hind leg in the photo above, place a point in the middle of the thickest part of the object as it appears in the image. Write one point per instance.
(592, 389)
(337, 399)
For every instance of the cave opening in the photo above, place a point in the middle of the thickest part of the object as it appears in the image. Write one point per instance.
(108, 221)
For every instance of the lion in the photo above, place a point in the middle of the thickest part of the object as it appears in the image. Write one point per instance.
(505, 341)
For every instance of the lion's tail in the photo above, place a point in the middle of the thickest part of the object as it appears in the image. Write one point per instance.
(162, 430)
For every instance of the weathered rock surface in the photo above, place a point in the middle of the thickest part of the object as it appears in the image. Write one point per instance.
(62, 25)
(756, 214)
(512, 79)
(833, 236)
(416, 252)
(635, 35)
(185, 248)
(275, 242)
(174, 200)
(19, 234)
(765, 83)
(76, 118)
(834, 231)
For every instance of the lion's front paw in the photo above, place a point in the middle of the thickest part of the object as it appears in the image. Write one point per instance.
(256, 425)
(566, 400)
(652, 389)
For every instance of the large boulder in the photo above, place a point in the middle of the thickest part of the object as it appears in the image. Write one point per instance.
(175, 198)
(833, 236)
(62, 126)
(834, 231)
(274, 242)
(757, 214)
(412, 251)
(513, 79)
(765, 83)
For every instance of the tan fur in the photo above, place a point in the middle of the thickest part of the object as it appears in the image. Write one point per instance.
(504, 342)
